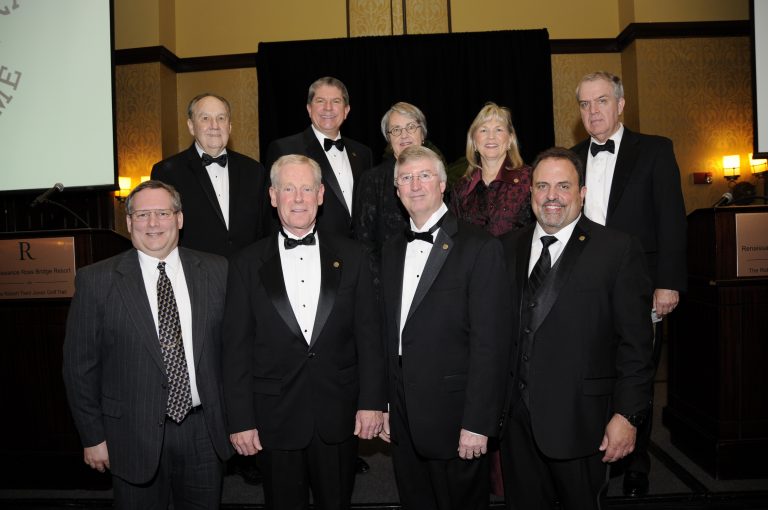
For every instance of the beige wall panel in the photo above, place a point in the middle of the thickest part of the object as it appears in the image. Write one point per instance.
(567, 70)
(647, 11)
(137, 23)
(698, 93)
(563, 18)
(427, 16)
(237, 26)
(632, 97)
(170, 125)
(138, 97)
(240, 89)
(167, 23)
(375, 17)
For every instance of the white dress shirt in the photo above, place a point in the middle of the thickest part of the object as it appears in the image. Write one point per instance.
(600, 170)
(175, 273)
(342, 169)
(416, 255)
(301, 274)
(219, 176)
(555, 249)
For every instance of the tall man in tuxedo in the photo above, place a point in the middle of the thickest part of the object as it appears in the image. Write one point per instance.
(225, 193)
(447, 337)
(581, 370)
(302, 347)
(142, 362)
(341, 159)
(633, 185)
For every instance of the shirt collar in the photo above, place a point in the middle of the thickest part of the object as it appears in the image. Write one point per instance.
(172, 261)
(616, 137)
(432, 219)
(506, 174)
(562, 235)
(321, 137)
(200, 150)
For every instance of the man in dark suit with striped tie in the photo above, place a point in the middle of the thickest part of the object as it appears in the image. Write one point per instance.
(581, 372)
(142, 362)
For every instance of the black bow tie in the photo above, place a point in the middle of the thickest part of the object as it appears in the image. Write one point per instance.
(291, 243)
(221, 160)
(410, 235)
(328, 143)
(595, 148)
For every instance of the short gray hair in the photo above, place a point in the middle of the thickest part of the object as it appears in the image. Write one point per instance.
(618, 88)
(151, 184)
(408, 110)
(417, 152)
(294, 159)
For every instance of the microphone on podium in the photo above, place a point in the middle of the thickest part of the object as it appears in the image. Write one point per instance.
(58, 187)
(726, 199)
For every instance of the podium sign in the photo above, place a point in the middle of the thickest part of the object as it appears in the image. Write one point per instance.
(37, 268)
(752, 244)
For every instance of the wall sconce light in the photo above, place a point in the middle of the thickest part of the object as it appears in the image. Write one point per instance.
(731, 167)
(125, 188)
(145, 178)
(759, 166)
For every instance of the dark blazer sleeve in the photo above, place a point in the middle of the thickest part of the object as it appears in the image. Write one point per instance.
(82, 357)
(634, 367)
(490, 339)
(671, 223)
(238, 345)
(369, 340)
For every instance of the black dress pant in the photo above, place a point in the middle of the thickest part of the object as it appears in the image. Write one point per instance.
(328, 470)
(434, 484)
(533, 481)
(190, 473)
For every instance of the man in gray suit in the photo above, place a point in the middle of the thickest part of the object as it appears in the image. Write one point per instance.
(142, 362)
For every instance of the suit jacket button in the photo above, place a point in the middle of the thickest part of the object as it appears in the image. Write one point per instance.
(521, 385)
(311, 355)
(525, 357)
(532, 304)
(162, 422)
(527, 331)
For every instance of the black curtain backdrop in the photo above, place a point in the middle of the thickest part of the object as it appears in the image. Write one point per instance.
(448, 76)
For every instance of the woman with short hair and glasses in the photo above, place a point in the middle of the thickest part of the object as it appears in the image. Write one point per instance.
(378, 212)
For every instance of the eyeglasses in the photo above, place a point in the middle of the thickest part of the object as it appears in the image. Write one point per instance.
(410, 129)
(406, 179)
(159, 214)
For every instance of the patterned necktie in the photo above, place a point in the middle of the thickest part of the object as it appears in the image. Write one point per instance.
(179, 393)
(542, 267)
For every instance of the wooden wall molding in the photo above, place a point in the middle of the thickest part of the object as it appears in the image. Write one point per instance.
(633, 32)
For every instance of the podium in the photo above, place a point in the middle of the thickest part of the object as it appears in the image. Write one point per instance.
(717, 410)
(41, 447)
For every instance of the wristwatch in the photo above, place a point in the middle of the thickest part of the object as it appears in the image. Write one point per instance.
(634, 419)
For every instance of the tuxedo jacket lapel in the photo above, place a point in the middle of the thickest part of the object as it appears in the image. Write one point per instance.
(628, 154)
(316, 152)
(558, 276)
(197, 285)
(201, 174)
(330, 276)
(437, 255)
(271, 274)
(134, 294)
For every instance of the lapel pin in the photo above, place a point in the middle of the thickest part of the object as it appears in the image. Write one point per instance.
(336, 264)
(582, 237)
(445, 246)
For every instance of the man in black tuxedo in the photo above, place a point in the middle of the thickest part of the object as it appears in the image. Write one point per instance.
(341, 159)
(302, 347)
(447, 336)
(581, 370)
(224, 192)
(142, 362)
(633, 185)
